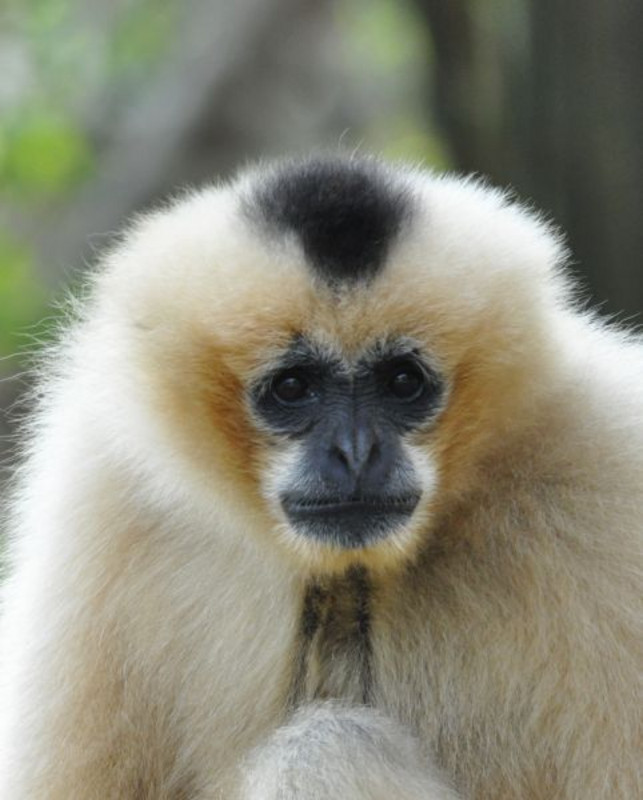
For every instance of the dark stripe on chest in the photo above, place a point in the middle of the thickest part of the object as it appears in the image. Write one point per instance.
(333, 648)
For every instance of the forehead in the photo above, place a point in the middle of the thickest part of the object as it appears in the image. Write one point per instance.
(260, 322)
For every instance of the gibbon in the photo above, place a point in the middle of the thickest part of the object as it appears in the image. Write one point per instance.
(332, 491)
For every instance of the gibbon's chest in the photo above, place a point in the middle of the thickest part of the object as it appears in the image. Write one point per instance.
(333, 651)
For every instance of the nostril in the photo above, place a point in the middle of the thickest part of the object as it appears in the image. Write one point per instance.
(340, 455)
(373, 455)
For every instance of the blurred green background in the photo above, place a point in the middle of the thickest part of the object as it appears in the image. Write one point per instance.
(107, 106)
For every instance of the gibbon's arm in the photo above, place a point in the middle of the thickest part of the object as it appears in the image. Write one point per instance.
(329, 751)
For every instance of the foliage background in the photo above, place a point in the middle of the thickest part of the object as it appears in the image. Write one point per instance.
(106, 107)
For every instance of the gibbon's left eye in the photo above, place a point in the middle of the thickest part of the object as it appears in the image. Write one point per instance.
(406, 382)
(290, 388)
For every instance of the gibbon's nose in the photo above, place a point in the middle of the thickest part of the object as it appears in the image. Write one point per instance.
(354, 456)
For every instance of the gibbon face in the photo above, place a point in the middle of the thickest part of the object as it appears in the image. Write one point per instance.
(337, 344)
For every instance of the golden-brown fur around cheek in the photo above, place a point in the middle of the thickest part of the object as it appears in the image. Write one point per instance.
(472, 422)
(198, 378)
(200, 404)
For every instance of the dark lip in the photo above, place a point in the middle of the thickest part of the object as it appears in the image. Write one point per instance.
(351, 505)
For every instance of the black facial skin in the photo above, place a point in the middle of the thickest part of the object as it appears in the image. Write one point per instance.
(356, 484)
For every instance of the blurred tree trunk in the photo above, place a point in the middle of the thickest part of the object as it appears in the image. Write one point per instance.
(546, 96)
(587, 146)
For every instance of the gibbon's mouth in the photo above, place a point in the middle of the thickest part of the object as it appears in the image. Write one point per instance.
(348, 522)
(350, 505)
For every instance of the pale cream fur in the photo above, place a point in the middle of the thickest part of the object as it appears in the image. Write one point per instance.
(155, 591)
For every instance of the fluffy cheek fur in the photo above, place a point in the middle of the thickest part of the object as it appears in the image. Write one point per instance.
(186, 397)
(284, 469)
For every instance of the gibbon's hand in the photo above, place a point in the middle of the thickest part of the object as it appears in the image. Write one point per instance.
(328, 752)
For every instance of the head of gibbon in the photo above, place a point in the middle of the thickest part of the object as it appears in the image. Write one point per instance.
(323, 352)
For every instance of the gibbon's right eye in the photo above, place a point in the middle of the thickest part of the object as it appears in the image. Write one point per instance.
(291, 388)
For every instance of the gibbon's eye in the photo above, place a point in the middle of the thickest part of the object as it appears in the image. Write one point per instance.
(406, 382)
(290, 388)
